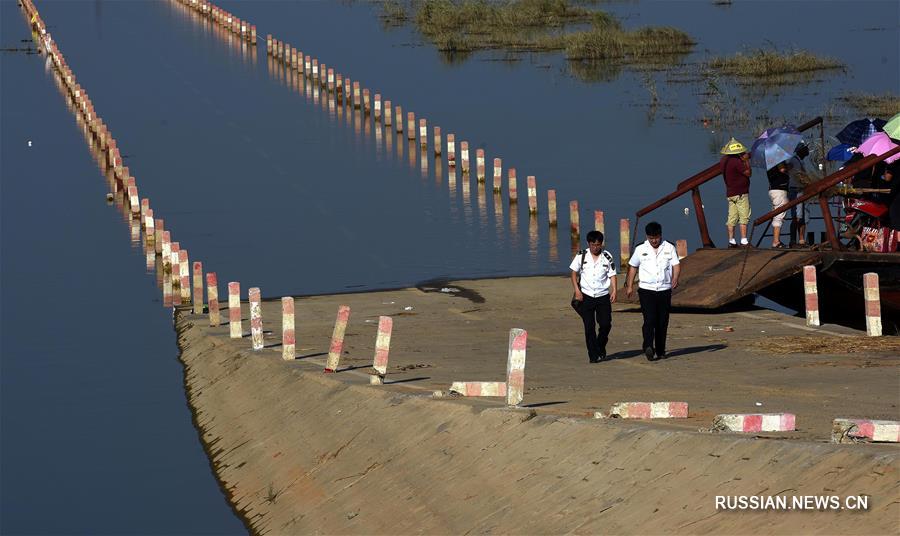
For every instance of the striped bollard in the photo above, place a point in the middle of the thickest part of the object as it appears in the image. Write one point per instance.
(479, 165)
(198, 288)
(145, 206)
(269, 44)
(859, 430)
(157, 240)
(599, 224)
(873, 304)
(253, 35)
(307, 65)
(175, 276)
(367, 104)
(150, 230)
(398, 110)
(347, 91)
(437, 141)
(464, 156)
(288, 335)
(681, 248)
(649, 410)
(624, 241)
(411, 126)
(337, 339)
(515, 367)
(168, 294)
(256, 325)
(294, 58)
(574, 224)
(339, 87)
(234, 310)
(378, 107)
(511, 186)
(551, 207)
(212, 297)
(133, 200)
(356, 99)
(184, 266)
(330, 82)
(451, 150)
(166, 251)
(479, 388)
(382, 349)
(423, 134)
(498, 175)
(532, 194)
(811, 293)
(387, 113)
(755, 422)
(315, 69)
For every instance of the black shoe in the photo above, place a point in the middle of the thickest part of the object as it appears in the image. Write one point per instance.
(648, 351)
(661, 355)
(602, 357)
(594, 359)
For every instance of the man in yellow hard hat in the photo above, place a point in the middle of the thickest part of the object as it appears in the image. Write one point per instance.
(735, 167)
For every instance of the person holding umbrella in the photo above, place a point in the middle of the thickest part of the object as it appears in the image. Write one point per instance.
(771, 151)
(735, 166)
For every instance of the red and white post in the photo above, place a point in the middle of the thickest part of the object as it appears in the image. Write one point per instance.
(511, 188)
(288, 335)
(532, 195)
(437, 141)
(551, 207)
(681, 248)
(212, 297)
(398, 110)
(382, 349)
(498, 175)
(515, 367)
(256, 325)
(377, 107)
(337, 339)
(873, 304)
(184, 266)
(175, 276)
(387, 113)
(464, 156)
(811, 293)
(411, 126)
(451, 150)
(198, 288)
(479, 165)
(234, 310)
(574, 227)
(423, 134)
(624, 241)
(599, 223)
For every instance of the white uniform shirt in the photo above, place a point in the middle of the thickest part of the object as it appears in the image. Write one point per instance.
(595, 278)
(654, 267)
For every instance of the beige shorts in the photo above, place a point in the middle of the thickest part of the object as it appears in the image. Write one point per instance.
(779, 198)
(738, 210)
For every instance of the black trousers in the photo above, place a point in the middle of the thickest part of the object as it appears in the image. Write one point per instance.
(596, 311)
(655, 306)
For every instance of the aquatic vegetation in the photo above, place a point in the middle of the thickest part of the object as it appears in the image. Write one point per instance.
(459, 26)
(885, 105)
(773, 66)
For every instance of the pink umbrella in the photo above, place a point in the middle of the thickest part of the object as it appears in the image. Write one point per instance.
(878, 143)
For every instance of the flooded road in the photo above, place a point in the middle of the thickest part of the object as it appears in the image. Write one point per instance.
(269, 184)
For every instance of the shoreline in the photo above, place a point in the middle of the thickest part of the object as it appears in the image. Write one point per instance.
(298, 451)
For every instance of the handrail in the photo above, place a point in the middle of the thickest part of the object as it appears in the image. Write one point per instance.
(692, 184)
(820, 186)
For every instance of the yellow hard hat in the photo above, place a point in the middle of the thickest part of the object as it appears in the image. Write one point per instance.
(733, 147)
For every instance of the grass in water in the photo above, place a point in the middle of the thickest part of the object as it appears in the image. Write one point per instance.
(769, 64)
(462, 26)
(884, 106)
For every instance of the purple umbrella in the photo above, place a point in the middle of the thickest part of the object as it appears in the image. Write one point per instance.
(878, 143)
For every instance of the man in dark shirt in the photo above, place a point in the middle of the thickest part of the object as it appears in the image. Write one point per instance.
(735, 167)
(779, 181)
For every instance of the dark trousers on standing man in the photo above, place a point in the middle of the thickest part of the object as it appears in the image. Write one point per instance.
(596, 311)
(655, 305)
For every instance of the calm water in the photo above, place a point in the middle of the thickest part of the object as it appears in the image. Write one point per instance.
(268, 183)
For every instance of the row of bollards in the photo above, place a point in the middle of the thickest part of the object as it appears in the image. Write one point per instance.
(223, 18)
(352, 94)
(871, 297)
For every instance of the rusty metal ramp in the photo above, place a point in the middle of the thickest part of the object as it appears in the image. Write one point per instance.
(712, 278)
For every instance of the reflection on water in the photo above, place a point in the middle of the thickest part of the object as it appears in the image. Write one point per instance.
(390, 133)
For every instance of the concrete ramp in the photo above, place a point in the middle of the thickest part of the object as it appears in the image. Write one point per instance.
(712, 278)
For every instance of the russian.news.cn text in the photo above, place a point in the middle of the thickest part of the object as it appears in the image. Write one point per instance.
(798, 502)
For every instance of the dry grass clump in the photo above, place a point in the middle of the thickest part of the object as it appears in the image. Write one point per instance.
(612, 42)
(769, 63)
(824, 344)
(884, 106)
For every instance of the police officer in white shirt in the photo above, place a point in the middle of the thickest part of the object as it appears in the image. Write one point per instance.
(596, 292)
(656, 262)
